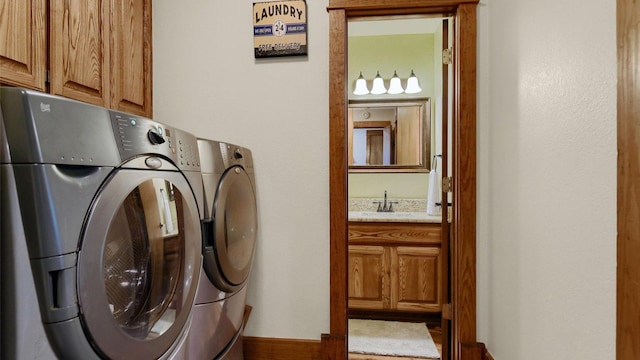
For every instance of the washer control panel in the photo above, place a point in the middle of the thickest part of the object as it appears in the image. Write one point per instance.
(186, 145)
(137, 136)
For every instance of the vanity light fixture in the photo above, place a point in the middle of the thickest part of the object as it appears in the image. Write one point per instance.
(413, 86)
(395, 87)
(361, 86)
(378, 85)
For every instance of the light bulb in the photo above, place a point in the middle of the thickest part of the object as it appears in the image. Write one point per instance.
(395, 87)
(361, 86)
(378, 85)
(413, 86)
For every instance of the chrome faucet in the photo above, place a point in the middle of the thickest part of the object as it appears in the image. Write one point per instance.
(385, 206)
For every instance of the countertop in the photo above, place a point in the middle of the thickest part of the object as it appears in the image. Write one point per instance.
(372, 216)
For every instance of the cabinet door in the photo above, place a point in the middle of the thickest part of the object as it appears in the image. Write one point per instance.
(409, 143)
(79, 50)
(415, 284)
(23, 46)
(131, 56)
(369, 277)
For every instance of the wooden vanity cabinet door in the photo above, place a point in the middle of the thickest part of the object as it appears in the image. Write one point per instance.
(23, 43)
(369, 277)
(415, 281)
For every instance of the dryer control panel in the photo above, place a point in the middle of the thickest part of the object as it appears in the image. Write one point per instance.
(136, 136)
(236, 155)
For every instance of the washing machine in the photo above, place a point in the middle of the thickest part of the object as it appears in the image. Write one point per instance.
(229, 228)
(101, 232)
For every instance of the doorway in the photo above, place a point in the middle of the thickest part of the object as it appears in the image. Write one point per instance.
(462, 308)
(397, 269)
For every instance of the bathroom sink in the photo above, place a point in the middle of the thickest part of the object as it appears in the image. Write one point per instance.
(392, 216)
(404, 215)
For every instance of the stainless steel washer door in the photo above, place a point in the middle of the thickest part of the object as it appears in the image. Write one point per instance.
(228, 260)
(139, 263)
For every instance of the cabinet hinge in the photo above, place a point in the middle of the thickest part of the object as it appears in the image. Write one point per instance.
(447, 184)
(446, 311)
(46, 77)
(447, 56)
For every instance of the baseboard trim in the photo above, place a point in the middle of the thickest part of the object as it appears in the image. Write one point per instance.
(334, 347)
(262, 348)
(487, 355)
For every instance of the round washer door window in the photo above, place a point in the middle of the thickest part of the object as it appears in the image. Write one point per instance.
(139, 264)
(235, 226)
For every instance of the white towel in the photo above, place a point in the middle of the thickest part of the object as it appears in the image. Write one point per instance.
(434, 193)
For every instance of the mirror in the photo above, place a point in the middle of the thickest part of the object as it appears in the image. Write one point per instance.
(389, 135)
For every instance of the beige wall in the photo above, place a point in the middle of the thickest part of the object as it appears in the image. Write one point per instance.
(547, 179)
(546, 164)
(207, 81)
(386, 53)
(399, 186)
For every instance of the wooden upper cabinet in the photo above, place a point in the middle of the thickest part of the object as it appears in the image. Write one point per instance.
(23, 43)
(79, 50)
(131, 72)
(99, 51)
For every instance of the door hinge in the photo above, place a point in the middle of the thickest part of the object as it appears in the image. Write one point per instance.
(447, 56)
(446, 311)
(447, 184)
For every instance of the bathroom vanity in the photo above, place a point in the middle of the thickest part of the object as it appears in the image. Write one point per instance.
(395, 262)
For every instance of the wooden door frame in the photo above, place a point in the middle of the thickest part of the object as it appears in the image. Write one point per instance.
(628, 203)
(463, 217)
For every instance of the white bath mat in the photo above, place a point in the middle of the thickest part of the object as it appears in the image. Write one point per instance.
(391, 338)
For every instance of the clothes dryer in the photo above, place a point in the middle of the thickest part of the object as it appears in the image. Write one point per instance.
(101, 235)
(229, 240)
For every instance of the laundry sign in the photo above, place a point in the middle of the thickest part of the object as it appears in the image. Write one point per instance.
(280, 28)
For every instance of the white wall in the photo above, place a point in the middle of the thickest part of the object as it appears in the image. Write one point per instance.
(547, 179)
(546, 164)
(207, 81)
